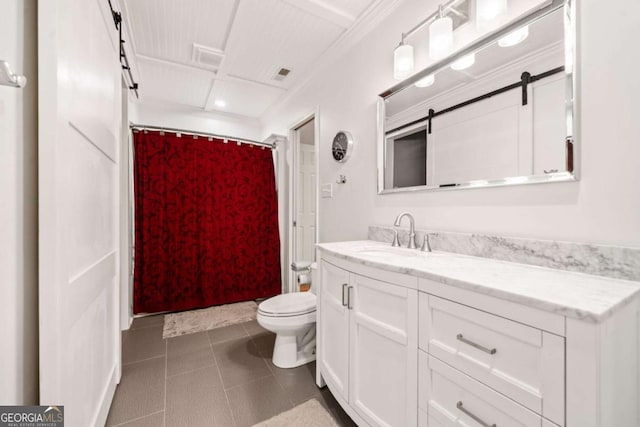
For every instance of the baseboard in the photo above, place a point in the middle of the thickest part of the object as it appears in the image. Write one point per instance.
(100, 418)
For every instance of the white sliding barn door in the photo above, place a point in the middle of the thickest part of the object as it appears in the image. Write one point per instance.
(79, 121)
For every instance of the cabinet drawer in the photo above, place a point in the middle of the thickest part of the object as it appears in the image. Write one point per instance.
(452, 399)
(519, 361)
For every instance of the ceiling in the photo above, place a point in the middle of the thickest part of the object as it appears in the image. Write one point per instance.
(202, 53)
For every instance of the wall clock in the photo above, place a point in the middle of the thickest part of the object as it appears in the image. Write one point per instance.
(342, 146)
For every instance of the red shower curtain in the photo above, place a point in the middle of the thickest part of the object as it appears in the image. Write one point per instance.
(206, 223)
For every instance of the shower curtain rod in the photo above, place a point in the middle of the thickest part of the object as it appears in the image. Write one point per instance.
(138, 127)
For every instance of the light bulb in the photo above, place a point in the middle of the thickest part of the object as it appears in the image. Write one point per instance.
(490, 13)
(220, 103)
(425, 81)
(402, 61)
(514, 37)
(440, 38)
(464, 62)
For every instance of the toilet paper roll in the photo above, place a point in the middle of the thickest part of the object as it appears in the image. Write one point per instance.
(304, 279)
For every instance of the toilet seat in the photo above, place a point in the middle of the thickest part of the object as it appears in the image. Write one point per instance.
(288, 305)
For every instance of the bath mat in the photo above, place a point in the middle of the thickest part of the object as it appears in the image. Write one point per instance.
(190, 322)
(309, 414)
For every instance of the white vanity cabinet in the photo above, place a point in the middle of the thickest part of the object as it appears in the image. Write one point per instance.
(367, 344)
(438, 340)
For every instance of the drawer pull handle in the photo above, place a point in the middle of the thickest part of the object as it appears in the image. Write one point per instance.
(476, 345)
(475, 417)
(349, 305)
(344, 287)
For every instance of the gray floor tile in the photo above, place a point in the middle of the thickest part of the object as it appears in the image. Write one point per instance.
(147, 321)
(182, 363)
(154, 420)
(264, 342)
(328, 401)
(140, 392)
(239, 362)
(197, 399)
(141, 344)
(253, 327)
(227, 333)
(187, 343)
(257, 401)
(188, 352)
(200, 367)
(298, 383)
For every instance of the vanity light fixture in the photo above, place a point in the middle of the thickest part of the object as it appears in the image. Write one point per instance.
(442, 23)
(515, 37)
(440, 36)
(490, 13)
(426, 81)
(464, 62)
(402, 60)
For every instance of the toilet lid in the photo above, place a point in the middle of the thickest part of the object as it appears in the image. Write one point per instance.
(289, 304)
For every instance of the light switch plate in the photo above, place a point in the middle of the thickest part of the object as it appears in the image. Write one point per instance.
(327, 191)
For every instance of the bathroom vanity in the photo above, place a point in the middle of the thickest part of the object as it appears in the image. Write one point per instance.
(437, 339)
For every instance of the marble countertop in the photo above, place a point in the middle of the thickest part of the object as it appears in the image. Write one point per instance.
(576, 295)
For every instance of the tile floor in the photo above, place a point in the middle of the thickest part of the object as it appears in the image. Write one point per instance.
(223, 377)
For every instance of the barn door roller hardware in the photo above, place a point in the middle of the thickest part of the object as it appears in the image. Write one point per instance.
(124, 61)
(525, 79)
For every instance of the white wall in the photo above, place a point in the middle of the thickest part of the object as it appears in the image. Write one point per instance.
(150, 113)
(603, 207)
(18, 210)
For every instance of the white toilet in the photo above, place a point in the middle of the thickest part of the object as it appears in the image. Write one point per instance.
(292, 317)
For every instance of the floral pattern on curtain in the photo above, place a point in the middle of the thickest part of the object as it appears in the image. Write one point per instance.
(206, 222)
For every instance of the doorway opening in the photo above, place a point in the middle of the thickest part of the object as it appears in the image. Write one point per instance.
(303, 195)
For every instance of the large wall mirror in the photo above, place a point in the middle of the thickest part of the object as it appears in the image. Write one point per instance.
(498, 111)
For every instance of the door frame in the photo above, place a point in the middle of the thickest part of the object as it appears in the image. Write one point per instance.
(126, 213)
(293, 187)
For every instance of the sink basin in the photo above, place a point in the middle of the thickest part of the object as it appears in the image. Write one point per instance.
(387, 252)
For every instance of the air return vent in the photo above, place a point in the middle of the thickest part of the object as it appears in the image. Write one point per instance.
(207, 57)
(282, 73)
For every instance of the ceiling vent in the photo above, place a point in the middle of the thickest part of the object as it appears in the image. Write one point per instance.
(282, 74)
(207, 57)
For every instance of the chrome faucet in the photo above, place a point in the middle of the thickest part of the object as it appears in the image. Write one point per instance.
(426, 245)
(412, 229)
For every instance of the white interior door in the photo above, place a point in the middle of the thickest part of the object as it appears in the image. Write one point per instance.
(79, 116)
(306, 203)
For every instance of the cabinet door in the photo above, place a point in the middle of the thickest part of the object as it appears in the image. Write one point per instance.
(333, 328)
(384, 349)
